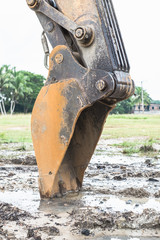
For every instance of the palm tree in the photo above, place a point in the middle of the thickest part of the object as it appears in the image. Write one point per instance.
(137, 99)
(18, 88)
(4, 81)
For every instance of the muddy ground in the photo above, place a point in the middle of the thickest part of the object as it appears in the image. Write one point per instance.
(120, 198)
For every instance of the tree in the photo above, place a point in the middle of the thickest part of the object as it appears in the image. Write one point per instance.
(34, 82)
(156, 101)
(123, 107)
(18, 87)
(127, 105)
(137, 98)
(4, 82)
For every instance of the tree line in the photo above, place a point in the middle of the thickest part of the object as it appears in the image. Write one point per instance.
(19, 89)
(127, 105)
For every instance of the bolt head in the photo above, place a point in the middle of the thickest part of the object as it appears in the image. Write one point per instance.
(59, 58)
(50, 27)
(84, 35)
(101, 85)
(79, 32)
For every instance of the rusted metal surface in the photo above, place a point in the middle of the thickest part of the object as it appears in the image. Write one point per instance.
(88, 74)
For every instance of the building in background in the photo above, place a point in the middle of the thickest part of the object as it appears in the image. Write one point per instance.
(153, 108)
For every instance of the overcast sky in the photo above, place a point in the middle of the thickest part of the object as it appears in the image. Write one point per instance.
(139, 20)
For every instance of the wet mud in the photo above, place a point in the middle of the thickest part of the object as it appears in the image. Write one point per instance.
(120, 198)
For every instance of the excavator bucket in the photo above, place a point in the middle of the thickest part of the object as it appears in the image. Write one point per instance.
(88, 75)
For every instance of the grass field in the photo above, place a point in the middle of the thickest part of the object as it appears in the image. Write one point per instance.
(132, 126)
(16, 128)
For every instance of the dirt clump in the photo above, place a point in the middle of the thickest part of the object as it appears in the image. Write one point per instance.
(135, 192)
(153, 180)
(119, 178)
(85, 232)
(157, 194)
(28, 160)
(147, 148)
(90, 219)
(10, 213)
(36, 232)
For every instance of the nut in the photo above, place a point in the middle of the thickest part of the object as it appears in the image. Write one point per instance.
(84, 35)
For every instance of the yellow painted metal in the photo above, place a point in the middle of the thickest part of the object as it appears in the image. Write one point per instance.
(50, 146)
(65, 131)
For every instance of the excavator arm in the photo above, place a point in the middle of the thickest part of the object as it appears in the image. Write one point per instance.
(88, 75)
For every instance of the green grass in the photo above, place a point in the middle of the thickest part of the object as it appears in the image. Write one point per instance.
(142, 146)
(140, 142)
(144, 129)
(131, 150)
(124, 126)
(16, 128)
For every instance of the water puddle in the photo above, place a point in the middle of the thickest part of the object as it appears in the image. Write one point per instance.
(116, 204)
(28, 201)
